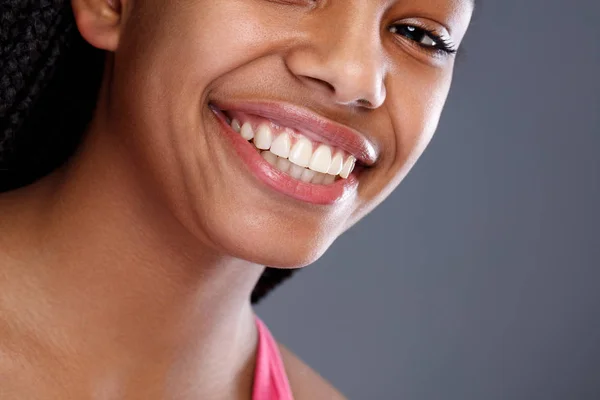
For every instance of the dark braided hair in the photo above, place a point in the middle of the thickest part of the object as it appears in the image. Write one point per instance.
(49, 82)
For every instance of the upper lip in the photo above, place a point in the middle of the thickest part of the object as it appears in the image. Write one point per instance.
(307, 121)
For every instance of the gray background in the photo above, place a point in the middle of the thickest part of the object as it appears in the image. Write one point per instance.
(479, 278)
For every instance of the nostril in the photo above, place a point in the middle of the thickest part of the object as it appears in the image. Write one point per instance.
(321, 84)
(364, 103)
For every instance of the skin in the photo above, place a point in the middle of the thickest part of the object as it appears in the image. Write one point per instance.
(127, 272)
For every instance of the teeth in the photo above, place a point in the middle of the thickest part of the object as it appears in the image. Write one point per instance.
(301, 152)
(283, 164)
(263, 137)
(295, 171)
(246, 131)
(328, 179)
(307, 175)
(321, 159)
(298, 160)
(269, 157)
(318, 179)
(281, 145)
(235, 124)
(348, 167)
(336, 164)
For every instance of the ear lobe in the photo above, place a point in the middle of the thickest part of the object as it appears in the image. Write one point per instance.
(99, 22)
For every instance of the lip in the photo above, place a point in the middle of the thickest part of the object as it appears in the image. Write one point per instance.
(336, 192)
(310, 124)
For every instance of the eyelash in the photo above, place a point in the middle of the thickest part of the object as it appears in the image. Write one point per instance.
(441, 45)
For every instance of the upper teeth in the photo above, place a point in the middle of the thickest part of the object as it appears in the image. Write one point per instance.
(288, 146)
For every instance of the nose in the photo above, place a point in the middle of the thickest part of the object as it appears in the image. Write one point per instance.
(346, 61)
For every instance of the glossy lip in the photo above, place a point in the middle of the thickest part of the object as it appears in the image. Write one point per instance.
(338, 191)
(311, 125)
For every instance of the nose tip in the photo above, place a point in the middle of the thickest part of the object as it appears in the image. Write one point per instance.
(367, 95)
(350, 77)
(348, 95)
(358, 82)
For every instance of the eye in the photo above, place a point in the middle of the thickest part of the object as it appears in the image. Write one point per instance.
(425, 38)
(294, 2)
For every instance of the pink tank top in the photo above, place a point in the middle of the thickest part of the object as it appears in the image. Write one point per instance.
(270, 379)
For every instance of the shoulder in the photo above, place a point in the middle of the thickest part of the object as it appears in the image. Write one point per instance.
(305, 382)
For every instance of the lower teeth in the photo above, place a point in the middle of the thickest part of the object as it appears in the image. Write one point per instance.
(295, 171)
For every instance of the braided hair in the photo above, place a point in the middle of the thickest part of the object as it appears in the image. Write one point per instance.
(49, 82)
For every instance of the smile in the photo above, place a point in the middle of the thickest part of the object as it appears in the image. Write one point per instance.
(291, 152)
(291, 157)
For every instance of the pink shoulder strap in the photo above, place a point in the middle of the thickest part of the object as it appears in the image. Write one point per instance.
(270, 379)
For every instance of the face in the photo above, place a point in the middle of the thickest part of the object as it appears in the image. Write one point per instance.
(320, 83)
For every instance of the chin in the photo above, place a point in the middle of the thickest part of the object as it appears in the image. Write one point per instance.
(267, 240)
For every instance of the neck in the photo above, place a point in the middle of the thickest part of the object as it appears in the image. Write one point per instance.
(100, 283)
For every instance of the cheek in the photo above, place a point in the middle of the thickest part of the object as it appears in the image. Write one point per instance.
(175, 57)
(166, 62)
(199, 44)
(414, 102)
(193, 43)
(415, 105)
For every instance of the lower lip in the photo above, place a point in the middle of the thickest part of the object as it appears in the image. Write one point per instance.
(282, 182)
